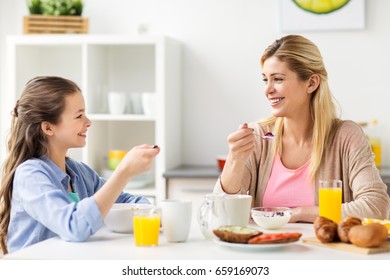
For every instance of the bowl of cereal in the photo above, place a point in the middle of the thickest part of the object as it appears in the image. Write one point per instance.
(271, 217)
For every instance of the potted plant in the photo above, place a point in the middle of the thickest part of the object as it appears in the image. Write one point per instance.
(55, 7)
(55, 16)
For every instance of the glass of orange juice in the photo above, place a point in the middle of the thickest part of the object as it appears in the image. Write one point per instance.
(146, 227)
(330, 193)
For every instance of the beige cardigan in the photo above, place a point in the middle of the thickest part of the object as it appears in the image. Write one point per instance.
(348, 157)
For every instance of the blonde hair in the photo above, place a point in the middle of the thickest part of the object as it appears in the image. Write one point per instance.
(304, 58)
(43, 99)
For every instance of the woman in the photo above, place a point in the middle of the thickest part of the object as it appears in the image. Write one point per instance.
(43, 192)
(310, 143)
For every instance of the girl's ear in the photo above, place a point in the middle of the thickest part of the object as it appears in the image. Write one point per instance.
(47, 128)
(314, 82)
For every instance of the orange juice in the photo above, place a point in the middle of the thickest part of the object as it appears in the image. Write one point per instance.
(375, 142)
(330, 203)
(377, 151)
(146, 229)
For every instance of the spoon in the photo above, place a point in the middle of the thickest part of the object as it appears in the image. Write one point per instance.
(267, 136)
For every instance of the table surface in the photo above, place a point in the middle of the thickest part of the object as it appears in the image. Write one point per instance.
(116, 246)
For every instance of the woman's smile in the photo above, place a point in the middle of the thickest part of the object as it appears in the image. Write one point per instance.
(276, 101)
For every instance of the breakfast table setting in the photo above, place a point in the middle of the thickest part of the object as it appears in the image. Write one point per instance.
(187, 235)
(107, 245)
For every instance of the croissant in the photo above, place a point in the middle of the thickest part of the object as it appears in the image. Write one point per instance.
(325, 229)
(367, 236)
(344, 226)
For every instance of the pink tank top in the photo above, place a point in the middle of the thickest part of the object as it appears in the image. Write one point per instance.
(288, 187)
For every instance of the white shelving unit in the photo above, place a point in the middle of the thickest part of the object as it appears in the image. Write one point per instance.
(99, 64)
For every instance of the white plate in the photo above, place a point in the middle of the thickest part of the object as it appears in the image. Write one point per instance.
(252, 246)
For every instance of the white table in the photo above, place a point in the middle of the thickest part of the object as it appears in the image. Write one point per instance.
(108, 245)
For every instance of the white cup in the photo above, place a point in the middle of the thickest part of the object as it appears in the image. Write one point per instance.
(176, 219)
(117, 102)
(149, 103)
(238, 208)
(136, 103)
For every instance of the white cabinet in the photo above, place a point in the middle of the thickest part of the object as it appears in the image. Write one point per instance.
(99, 64)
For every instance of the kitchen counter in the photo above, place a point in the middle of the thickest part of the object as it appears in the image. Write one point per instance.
(193, 171)
(385, 172)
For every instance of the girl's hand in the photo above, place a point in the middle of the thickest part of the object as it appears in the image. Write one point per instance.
(138, 160)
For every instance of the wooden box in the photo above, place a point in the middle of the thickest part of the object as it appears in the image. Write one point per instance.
(39, 24)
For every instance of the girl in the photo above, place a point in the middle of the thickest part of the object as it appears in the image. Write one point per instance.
(310, 142)
(43, 192)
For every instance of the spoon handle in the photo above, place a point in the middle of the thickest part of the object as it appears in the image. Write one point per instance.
(265, 137)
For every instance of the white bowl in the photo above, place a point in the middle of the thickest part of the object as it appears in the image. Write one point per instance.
(271, 217)
(120, 217)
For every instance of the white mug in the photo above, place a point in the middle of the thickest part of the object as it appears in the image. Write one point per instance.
(149, 103)
(136, 103)
(117, 102)
(176, 219)
(238, 208)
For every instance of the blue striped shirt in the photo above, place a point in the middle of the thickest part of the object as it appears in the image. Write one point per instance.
(41, 207)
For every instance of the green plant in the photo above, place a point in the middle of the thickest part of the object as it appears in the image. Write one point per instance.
(55, 7)
(34, 6)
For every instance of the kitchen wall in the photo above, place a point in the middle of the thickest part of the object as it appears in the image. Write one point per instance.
(222, 42)
(2, 54)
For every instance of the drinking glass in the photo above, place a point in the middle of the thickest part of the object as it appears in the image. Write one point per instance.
(330, 193)
(146, 227)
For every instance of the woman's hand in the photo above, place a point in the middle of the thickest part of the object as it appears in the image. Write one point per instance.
(241, 144)
(304, 214)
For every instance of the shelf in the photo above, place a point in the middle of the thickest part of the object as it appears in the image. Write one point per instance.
(193, 172)
(100, 64)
